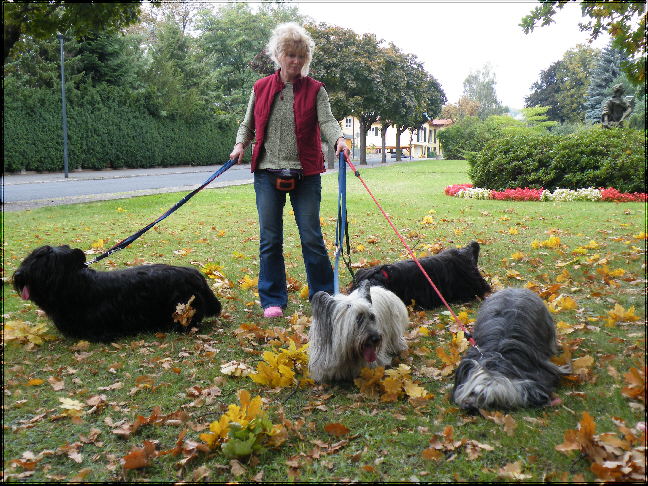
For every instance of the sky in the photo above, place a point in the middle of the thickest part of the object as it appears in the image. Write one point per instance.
(452, 39)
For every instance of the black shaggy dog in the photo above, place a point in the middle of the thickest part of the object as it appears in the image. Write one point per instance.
(104, 306)
(453, 271)
(510, 365)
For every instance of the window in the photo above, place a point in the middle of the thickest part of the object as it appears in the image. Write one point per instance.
(376, 131)
(421, 135)
(347, 123)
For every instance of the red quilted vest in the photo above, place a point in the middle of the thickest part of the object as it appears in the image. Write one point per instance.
(307, 132)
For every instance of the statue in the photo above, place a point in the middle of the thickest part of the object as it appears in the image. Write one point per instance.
(616, 109)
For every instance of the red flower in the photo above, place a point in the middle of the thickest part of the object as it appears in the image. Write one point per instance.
(455, 188)
(518, 194)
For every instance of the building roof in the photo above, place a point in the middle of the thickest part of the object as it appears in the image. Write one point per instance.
(441, 122)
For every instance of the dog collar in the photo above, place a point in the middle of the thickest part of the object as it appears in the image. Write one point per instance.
(384, 273)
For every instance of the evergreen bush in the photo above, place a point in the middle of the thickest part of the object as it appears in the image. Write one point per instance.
(108, 127)
(595, 157)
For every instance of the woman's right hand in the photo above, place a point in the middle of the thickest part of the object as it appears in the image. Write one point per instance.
(237, 153)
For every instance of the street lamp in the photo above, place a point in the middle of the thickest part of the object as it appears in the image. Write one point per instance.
(63, 111)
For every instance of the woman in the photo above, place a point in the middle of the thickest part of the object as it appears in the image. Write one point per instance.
(288, 115)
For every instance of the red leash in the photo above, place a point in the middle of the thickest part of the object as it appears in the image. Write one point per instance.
(409, 250)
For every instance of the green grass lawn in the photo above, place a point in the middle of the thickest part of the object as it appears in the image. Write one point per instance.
(597, 263)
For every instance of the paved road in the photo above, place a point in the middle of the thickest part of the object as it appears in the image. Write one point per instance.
(34, 190)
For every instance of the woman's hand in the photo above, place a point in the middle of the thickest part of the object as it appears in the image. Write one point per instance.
(237, 153)
(341, 146)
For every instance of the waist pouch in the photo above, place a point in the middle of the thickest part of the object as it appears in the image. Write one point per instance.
(285, 179)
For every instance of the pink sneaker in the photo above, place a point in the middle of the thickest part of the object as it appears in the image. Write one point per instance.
(273, 311)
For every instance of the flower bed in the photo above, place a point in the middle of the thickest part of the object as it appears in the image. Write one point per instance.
(587, 194)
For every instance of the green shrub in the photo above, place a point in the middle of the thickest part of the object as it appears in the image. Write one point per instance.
(471, 134)
(595, 157)
(107, 128)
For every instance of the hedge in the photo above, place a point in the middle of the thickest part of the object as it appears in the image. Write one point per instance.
(107, 128)
(595, 157)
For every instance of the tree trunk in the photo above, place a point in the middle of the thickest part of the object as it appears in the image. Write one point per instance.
(329, 155)
(383, 135)
(399, 131)
(363, 141)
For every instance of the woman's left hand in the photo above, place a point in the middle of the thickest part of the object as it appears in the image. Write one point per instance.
(341, 146)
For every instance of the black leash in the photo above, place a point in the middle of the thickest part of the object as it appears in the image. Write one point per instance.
(127, 241)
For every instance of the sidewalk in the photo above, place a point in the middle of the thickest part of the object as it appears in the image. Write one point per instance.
(39, 177)
(34, 190)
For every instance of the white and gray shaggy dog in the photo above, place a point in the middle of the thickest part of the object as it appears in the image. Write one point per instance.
(349, 332)
(510, 365)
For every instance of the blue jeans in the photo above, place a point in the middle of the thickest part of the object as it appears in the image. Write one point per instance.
(305, 200)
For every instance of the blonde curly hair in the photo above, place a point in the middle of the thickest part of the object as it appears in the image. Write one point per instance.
(291, 37)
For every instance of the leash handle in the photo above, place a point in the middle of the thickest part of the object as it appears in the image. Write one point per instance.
(409, 250)
(127, 241)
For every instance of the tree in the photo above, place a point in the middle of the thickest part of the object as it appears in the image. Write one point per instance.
(425, 102)
(460, 110)
(394, 80)
(604, 74)
(175, 76)
(229, 41)
(574, 74)
(544, 91)
(479, 86)
(536, 117)
(43, 20)
(624, 21)
(349, 65)
(563, 86)
(411, 96)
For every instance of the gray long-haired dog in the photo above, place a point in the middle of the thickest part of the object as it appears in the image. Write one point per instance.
(509, 367)
(349, 332)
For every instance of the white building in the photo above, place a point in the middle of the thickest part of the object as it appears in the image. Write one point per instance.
(421, 143)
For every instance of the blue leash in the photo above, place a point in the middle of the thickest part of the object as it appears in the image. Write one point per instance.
(127, 241)
(341, 221)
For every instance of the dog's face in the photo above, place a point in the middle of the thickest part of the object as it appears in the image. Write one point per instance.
(43, 267)
(353, 318)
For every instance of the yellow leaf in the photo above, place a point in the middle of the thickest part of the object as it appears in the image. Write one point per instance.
(619, 314)
(552, 242)
(513, 471)
(234, 368)
(98, 244)
(517, 255)
(513, 274)
(428, 220)
(25, 333)
(414, 391)
(369, 380)
(303, 293)
(71, 407)
(35, 382)
(184, 312)
(247, 282)
(585, 362)
(567, 303)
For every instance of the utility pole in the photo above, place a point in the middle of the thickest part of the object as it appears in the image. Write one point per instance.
(63, 111)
